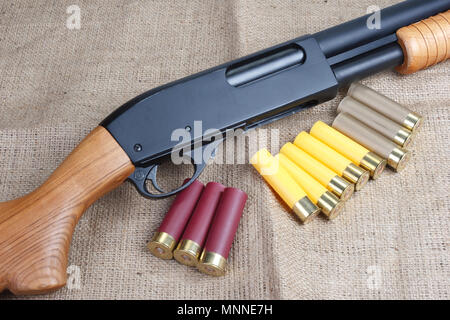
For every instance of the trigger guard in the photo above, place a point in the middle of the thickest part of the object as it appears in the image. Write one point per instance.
(141, 175)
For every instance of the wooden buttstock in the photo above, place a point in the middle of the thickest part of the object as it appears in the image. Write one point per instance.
(36, 230)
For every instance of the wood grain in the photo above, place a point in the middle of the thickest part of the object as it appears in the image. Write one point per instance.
(425, 43)
(36, 230)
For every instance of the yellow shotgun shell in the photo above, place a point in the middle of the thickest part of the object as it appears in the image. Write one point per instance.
(284, 185)
(333, 159)
(327, 177)
(349, 148)
(324, 199)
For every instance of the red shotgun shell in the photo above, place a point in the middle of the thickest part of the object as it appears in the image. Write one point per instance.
(190, 246)
(214, 257)
(168, 234)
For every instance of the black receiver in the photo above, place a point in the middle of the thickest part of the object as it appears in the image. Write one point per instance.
(257, 89)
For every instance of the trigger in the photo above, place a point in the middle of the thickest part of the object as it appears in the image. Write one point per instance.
(152, 177)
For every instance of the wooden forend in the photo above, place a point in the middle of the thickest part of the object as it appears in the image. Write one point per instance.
(425, 43)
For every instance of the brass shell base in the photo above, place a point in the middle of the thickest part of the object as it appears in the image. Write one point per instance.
(330, 205)
(413, 122)
(187, 253)
(162, 245)
(374, 164)
(341, 187)
(403, 137)
(306, 210)
(212, 263)
(398, 159)
(356, 175)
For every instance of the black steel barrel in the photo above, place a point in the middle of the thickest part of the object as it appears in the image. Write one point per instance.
(356, 32)
(367, 64)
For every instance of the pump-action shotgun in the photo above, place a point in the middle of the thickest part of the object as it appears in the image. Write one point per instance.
(36, 230)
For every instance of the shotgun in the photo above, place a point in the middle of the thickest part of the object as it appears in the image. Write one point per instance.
(130, 144)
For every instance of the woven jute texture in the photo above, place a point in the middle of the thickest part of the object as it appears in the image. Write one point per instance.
(57, 84)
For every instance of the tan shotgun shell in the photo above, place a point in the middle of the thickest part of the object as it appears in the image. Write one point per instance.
(388, 128)
(372, 140)
(386, 106)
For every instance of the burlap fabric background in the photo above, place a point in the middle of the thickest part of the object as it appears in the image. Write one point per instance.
(57, 84)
